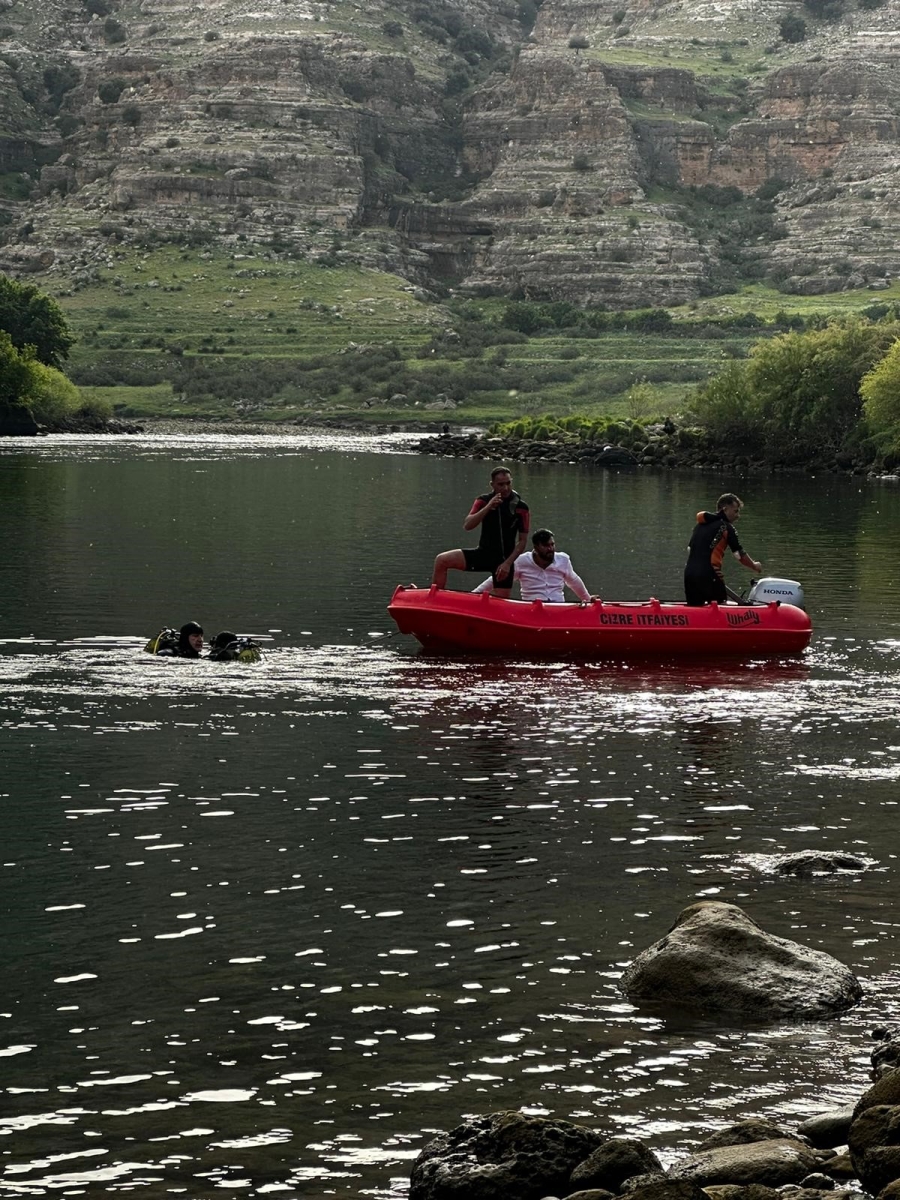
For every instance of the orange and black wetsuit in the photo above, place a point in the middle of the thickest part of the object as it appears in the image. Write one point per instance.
(703, 580)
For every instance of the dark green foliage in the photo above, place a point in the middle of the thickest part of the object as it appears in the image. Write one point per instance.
(14, 186)
(797, 395)
(792, 28)
(131, 115)
(354, 88)
(526, 13)
(110, 90)
(474, 43)
(770, 189)
(581, 162)
(392, 29)
(113, 31)
(736, 227)
(68, 123)
(97, 8)
(211, 35)
(15, 375)
(457, 82)
(529, 318)
(32, 319)
(58, 80)
(578, 42)
(573, 431)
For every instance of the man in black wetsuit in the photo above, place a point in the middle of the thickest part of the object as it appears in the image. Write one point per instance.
(504, 518)
(713, 534)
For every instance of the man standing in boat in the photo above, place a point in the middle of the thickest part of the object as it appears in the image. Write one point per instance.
(503, 517)
(713, 534)
(544, 573)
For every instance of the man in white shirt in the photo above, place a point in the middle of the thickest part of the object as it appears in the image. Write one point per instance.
(543, 573)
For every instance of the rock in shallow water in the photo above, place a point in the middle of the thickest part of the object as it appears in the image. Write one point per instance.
(716, 960)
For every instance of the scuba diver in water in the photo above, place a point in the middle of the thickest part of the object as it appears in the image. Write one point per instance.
(186, 643)
(230, 647)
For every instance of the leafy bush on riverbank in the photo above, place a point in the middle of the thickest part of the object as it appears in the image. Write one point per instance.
(880, 391)
(800, 395)
(42, 392)
(34, 338)
(573, 430)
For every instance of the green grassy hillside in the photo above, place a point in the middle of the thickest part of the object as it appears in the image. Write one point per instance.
(200, 333)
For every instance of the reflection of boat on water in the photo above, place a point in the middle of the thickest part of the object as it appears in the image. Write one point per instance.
(483, 624)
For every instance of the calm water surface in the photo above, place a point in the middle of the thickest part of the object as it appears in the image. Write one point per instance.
(269, 927)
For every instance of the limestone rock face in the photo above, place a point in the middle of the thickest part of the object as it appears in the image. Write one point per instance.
(502, 1155)
(556, 155)
(716, 960)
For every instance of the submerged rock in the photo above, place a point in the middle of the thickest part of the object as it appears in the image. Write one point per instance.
(716, 960)
(806, 863)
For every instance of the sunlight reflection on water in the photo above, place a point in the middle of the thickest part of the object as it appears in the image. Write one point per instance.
(276, 923)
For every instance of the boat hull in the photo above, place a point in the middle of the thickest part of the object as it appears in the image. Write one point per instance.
(469, 623)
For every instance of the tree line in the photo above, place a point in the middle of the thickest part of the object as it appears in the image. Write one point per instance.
(35, 341)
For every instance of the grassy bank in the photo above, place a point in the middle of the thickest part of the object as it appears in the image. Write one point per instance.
(177, 332)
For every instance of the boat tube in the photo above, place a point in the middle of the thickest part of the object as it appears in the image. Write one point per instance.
(469, 623)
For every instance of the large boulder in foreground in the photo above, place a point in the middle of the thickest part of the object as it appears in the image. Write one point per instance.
(500, 1156)
(875, 1146)
(715, 960)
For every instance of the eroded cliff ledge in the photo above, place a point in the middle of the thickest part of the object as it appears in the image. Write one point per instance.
(621, 153)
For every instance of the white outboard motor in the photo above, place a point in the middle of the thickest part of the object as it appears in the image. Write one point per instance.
(788, 591)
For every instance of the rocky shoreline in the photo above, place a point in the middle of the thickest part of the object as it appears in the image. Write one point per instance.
(714, 960)
(664, 445)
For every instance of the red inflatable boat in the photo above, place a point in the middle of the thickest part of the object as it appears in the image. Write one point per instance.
(464, 622)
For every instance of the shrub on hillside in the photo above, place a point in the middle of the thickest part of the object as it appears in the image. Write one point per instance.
(110, 90)
(792, 28)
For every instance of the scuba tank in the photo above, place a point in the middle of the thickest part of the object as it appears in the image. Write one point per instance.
(229, 647)
(165, 642)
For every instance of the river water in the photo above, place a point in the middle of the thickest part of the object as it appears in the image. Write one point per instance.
(268, 927)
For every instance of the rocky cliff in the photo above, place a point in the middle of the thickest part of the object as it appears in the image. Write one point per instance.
(624, 152)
